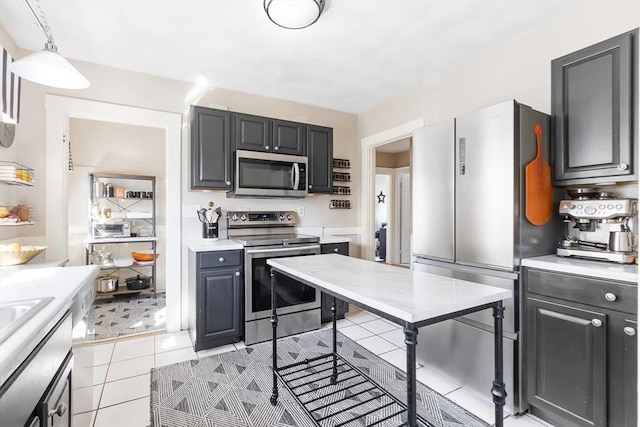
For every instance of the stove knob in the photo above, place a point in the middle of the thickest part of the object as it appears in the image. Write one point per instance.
(289, 217)
(234, 217)
(281, 217)
(590, 210)
(243, 217)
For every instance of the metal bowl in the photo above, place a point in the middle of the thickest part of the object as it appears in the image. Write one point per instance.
(106, 284)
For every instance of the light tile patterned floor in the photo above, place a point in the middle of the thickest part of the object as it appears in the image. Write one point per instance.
(111, 380)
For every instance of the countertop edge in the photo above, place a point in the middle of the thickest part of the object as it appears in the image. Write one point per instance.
(582, 267)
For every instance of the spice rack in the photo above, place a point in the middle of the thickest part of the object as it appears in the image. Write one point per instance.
(341, 176)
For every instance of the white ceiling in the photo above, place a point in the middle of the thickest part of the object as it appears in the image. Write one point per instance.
(359, 53)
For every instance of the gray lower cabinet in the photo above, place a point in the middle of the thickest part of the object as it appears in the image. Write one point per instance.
(594, 107)
(342, 307)
(211, 157)
(216, 318)
(580, 349)
(320, 152)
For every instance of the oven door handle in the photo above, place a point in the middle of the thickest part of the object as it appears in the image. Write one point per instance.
(297, 250)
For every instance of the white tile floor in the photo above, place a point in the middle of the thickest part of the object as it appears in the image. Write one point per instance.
(111, 379)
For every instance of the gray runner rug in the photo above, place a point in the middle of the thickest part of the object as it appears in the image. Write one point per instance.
(233, 389)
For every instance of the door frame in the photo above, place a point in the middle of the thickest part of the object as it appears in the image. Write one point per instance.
(368, 173)
(59, 111)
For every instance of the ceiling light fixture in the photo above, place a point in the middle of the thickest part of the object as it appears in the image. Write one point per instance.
(48, 67)
(293, 14)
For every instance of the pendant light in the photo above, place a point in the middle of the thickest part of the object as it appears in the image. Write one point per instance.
(293, 14)
(48, 67)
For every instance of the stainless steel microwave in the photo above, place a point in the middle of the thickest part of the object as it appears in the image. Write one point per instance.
(259, 174)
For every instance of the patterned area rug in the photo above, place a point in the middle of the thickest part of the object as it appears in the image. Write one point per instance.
(122, 316)
(233, 389)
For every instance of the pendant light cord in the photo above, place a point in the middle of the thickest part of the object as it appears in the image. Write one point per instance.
(43, 24)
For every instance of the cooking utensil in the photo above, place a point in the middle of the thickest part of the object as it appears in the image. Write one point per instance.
(202, 214)
(539, 193)
(138, 282)
(106, 284)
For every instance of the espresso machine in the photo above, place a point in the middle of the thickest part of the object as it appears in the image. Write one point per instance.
(600, 226)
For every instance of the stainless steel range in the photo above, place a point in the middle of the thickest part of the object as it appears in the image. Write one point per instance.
(271, 234)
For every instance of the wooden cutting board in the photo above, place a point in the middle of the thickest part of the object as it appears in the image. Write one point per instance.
(538, 190)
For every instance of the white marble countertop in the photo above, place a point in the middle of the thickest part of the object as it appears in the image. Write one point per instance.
(407, 295)
(37, 264)
(209, 245)
(584, 267)
(60, 283)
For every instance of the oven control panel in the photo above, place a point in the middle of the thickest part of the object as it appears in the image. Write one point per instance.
(261, 218)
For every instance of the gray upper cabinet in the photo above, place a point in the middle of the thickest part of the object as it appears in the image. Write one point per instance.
(288, 137)
(211, 159)
(594, 100)
(257, 133)
(320, 152)
(252, 133)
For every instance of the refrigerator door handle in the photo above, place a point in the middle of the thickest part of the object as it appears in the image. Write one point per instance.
(462, 161)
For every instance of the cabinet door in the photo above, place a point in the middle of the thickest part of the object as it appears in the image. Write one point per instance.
(320, 152)
(594, 97)
(630, 373)
(342, 307)
(211, 157)
(566, 363)
(252, 133)
(288, 137)
(219, 307)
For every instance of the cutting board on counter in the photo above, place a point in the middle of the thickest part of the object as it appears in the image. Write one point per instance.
(538, 189)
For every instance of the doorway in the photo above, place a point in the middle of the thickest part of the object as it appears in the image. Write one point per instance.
(392, 203)
(369, 145)
(59, 111)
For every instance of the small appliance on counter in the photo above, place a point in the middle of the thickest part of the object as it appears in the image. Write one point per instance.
(599, 226)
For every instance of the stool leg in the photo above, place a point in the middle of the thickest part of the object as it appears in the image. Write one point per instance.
(334, 315)
(274, 338)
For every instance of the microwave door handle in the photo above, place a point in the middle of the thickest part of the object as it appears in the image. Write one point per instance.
(296, 176)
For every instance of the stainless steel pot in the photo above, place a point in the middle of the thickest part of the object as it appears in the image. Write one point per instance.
(106, 284)
(138, 282)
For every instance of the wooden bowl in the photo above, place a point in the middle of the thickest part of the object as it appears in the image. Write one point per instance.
(143, 256)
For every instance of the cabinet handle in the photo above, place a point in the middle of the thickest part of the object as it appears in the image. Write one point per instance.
(596, 322)
(221, 259)
(228, 182)
(629, 331)
(275, 148)
(623, 167)
(237, 274)
(266, 147)
(610, 297)
(335, 250)
(59, 411)
(310, 187)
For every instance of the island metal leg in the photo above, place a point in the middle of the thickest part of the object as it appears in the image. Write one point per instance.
(334, 316)
(274, 338)
(498, 390)
(410, 339)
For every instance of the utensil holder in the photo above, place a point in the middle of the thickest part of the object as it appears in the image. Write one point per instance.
(209, 230)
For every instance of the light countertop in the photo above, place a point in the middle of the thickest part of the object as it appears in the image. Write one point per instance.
(334, 239)
(210, 245)
(407, 295)
(583, 267)
(60, 283)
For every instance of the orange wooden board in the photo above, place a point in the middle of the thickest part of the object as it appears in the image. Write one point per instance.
(538, 189)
